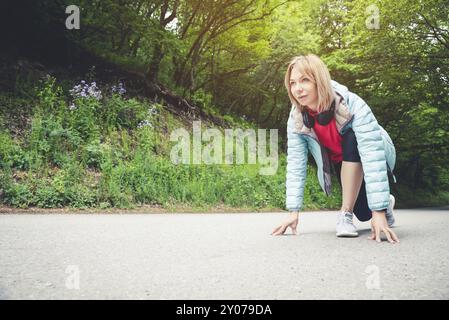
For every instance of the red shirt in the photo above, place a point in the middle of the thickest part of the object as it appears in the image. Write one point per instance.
(329, 137)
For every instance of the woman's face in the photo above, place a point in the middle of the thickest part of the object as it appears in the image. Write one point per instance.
(303, 89)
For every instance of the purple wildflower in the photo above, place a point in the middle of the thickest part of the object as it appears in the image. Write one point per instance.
(120, 89)
(84, 90)
(145, 123)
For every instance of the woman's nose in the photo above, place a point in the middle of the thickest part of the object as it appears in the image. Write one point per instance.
(298, 88)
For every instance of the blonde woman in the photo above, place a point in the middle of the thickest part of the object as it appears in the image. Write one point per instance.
(341, 132)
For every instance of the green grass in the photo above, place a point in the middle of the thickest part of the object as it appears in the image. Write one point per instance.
(97, 156)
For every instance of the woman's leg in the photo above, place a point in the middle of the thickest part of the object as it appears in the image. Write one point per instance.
(361, 209)
(350, 176)
(351, 181)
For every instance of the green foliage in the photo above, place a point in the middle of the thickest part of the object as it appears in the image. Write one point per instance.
(229, 58)
(93, 154)
(119, 113)
(18, 195)
(51, 99)
(11, 154)
(130, 161)
(83, 120)
(60, 188)
(314, 198)
(49, 142)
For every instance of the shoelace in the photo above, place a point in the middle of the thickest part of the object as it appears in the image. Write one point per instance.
(346, 218)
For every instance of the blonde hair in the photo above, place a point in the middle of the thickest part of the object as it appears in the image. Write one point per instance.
(314, 68)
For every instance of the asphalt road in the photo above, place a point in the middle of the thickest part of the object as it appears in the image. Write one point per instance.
(219, 256)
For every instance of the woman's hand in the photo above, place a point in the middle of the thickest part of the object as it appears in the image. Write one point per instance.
(292, 222)
(379, 224)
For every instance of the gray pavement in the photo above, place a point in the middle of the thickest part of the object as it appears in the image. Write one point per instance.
(219, 256)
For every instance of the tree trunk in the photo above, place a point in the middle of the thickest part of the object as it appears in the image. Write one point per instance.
(153, 69)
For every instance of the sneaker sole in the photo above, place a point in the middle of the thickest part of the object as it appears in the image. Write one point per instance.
(347, 235)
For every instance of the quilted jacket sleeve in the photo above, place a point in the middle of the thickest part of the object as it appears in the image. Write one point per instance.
(372, 153)
(296, 168)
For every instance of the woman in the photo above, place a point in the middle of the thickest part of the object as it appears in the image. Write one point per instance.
(338, 128)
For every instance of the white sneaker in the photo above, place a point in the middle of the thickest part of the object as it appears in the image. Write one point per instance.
(345, 226)
(389, 213)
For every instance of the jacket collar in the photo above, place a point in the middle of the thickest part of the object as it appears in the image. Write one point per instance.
(342, 116)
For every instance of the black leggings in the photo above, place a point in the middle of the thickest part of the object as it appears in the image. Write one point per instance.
(351, 154)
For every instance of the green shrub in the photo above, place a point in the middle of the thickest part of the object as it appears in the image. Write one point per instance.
(51, 100)
(11, 153)
(49, 142)
(18, 195)
(119, 113)
(83, 119)
(92, 154)
(65, 187)
(126, 143)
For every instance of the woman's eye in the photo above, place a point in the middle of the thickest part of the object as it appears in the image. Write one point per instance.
(305, 79)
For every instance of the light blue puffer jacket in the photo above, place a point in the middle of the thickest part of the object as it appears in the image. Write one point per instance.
(376, 149)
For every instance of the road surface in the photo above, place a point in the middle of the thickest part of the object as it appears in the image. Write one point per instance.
(219, 256)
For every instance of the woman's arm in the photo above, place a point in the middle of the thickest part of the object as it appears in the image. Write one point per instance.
(372, 153)
(296, 177)
(296, 168)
